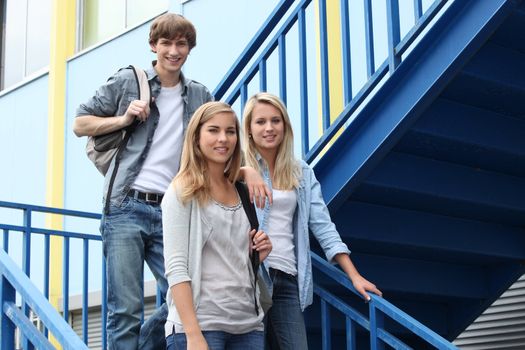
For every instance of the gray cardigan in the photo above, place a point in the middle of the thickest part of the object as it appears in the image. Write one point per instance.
(182, 247)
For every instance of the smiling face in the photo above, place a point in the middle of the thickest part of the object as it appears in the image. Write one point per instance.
(266, 127)
(218, 138)
(171, 54)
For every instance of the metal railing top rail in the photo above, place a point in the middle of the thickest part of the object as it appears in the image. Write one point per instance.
(252, 47)
(49, 210)
(14, 281)
(28, 230)
(397, 47)
(381, 304)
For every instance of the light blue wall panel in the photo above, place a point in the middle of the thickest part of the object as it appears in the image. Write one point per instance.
(23, 143)
(23, 149)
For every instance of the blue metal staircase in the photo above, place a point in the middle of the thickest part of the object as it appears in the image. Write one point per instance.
(423, 170)
(427, 183)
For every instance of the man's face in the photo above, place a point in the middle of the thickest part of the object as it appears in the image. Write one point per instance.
(171, 54)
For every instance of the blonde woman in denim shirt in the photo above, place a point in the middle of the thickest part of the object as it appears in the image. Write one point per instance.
(298, 207)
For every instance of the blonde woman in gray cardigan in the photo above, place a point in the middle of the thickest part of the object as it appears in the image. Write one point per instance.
(207, 242)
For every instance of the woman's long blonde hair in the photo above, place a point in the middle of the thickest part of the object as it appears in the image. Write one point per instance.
(193, 178)
(287, 171)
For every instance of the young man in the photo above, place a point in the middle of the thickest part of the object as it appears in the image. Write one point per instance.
(131, 228)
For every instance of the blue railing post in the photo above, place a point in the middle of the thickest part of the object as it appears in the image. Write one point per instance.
(85, 305)
(376, 323)
(326, 325)
(418, 10)
(282, 69)
(369, 39)
(6, 240)
(325, 80)
(26, 266)
(393, 34)
(345, 38)
(350, 334)
(65, 280)
(303, 81)
(7, 328)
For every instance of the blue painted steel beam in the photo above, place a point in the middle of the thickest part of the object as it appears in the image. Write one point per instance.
(451, 238)
(252, 47)
(438, 57)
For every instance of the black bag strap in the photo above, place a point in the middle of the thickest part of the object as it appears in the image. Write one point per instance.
(249, 208)
(144, 90)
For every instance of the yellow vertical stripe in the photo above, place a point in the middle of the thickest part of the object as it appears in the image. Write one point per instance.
(335, 66)
(62, 46)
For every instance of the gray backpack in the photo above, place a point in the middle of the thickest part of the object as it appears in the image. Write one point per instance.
(102, 149)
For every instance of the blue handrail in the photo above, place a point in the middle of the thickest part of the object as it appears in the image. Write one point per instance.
(237, 85)
(14, 280)
(27, 229)
(378, 309)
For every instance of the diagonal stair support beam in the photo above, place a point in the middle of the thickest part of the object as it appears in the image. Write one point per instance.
(457, 35)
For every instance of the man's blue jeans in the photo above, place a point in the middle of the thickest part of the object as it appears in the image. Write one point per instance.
(284, 321)
(132, 234)
(218, 340)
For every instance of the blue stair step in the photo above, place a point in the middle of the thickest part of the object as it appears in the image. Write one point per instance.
(463, 134)
(414, 233)
(493, 80)
(418, 183)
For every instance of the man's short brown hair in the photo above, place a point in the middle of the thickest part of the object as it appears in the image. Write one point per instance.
(172, 26)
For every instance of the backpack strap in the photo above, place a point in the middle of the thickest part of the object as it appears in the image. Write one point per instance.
(254, 224)
(144, 90)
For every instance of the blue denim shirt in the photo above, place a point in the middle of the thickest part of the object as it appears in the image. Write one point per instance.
(311, 214)
(114, 97)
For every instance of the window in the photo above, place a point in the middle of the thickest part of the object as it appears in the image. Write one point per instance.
(26, 26)
(102, 19)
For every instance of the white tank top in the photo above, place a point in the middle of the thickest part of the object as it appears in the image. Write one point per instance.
(280, 231)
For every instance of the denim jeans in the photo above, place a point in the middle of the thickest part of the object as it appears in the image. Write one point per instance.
(285, 329)
(218, 340)
(132, 234)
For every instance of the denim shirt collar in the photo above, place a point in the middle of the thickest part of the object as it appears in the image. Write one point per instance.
(154, 80)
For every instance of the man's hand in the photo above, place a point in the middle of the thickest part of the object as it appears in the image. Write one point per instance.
(136, 109)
